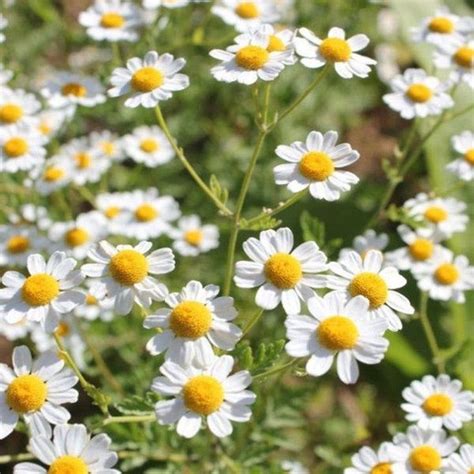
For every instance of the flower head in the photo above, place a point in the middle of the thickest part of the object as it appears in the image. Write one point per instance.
(369, 240)
(462, 463)
(17, 107)
(191, 237)
(463, 167)
(369, 461)
(457, 55)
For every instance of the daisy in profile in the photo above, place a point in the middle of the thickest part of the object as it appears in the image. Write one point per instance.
(434, 403)
(244, 15)
(463, 167)
(334, 49)
(197, 320)
(315, 164)
(148, 145)
(107, 145)
(111, 20)
(445, 276)
(17, 242)
(71, 450)
(457, 55)
(151, 4)
(13, 332)
(369, 240)
(415, 94)
(96, 305)
(5, 75)
(368, 277)
(18, 107)
(31, 215)
(149, 80)
(36, 391)
(369, 461)
(45, 294)
(55, 174)
(126, 272)
(336, 329)
(205, 392)
(284, 275)
(191, 237)
(462, 463)
(421, 451)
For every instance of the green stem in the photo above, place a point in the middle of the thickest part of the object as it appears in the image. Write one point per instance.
(10, 458)
(129, 419)
(153, 456)
(251, 322)
(275, 370)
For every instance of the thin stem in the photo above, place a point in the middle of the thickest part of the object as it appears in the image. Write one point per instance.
(70, 361)
(275, 370)
(129, 419)
(251, 322)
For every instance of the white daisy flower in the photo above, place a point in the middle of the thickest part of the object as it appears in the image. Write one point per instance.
(55, 174)
(33, 215)
(112, 206)
(445, 215)
(5, 75)
(35, 390)
(335, 49)
(151, 4)
(17, 107)
(463, 167)
(148, 145)
(368, 277)
(421, 451)
(192, 238)
(111, 20)
(251, 58)
(197, 320)
(207, 392)
(50, 121)
(107, 145)
(280, 40)
(71, 450)
(415, 94)
(65, 89)
(336, 328)
(126, 273)
(445, 276)
(149, 80)
(369, 240)
(17, 242)
(369, 461)
(244, 15)
(459, 56)
(96, 305)
(293, 467)
(462, 463)
(45, 294)
(315, 164)
(283, 275)
(3, 24)
(13, 332)
(434, 403)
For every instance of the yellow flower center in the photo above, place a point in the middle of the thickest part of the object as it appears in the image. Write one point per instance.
(68, 465)
(419, 93)
(193, 237)
(10, 113)
(91, 300)
(441, 25)
(251, 57)
(15, 147)
(275, 44)
(283, 270)
(76, 237)
(27, 393)
(44, 128)
(146, 213)
(83, 160)
(112, 20)
(337, 333)
(39, 289)
(18, 244)
(425, 459)
(464, 57)
(149, 145)
(436, 214)
(335, 50)
(108, 148)
(447, 274)
(370, 285)
(382, 468)
(421, 249)
(52, 174)
(128, 267)
(247, 10)
(190, 319)
(74, 88)
(112, 211)
(438, 404)
(203, 394)
(316, 165)
(469, 156)
(63, 329)
(147, 79)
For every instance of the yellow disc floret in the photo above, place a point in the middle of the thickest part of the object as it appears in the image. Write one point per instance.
(76, 237)
(91, 300)
(128, 267)
(149, 145)
(18, 244)
(147, 79)
(190, 319)
(275, 44)
(372, 286)
(425, 459)
(464, 57)
(83, 160)
(193, 237)
(203, 394)
(112, 211)
(316, 165)
(63, 329)
(39, 289)
(44, 128)
(247, 10)
(335, 50)
(10, 113)
(283, 270)
(15, 147)
(53, 174)
(447, 274)
(108, 148)
(441, 24)
(74, 88)
(419, 93)
(251, 57)
(469, 156)
(26, 393)
(438, 404)
(68, 465)
(382, 468)
(421, 249)
(146, 213)
(337, 333)
(435, 214)
(112, 20)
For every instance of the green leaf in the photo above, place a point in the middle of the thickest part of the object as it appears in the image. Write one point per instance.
(218, 190)
(136, 404)
(313, 228)
(263, 223)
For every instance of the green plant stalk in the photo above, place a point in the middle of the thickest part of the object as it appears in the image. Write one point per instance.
(251, 322)
(129, 419)
(275, 370)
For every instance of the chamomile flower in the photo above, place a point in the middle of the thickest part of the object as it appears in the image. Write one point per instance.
(3, 24)
(337, 328)
(45, 294)
(462, 463)
(5, 75)
(279, 40)
(17, 107)
(149, 80)
(112, 206)
(17, 242)
(151, 4)
(112, 20)
(205, 392)
(368, 277)
(192, 238)
(35, 390)
(463, 167)
(415, 94)
(283, 275)
(148, 145)
(244, 15)
(421, 451)
(445, 276)
(197, 320)
(315, 164)
(72, 450)
(107, 145)
(433, 403)
(127, 273)
(50, 121)
(55, 174)
(334, 49)
(96, 305)
(65, 89)
(457, 55)
(13, 332)
(32, 215)
(369, 240)
(369, 461)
